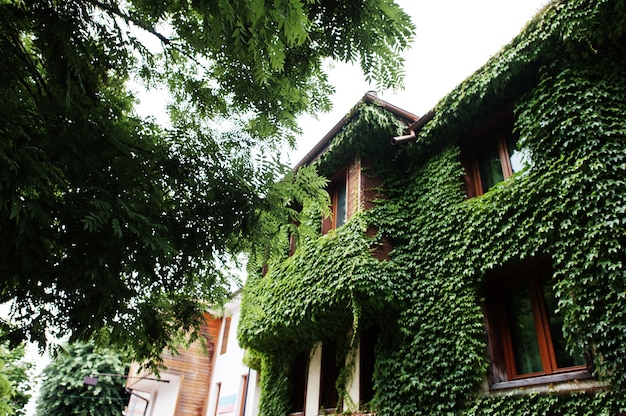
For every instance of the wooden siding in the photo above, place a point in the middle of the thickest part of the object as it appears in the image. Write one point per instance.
(370, 186)
(353, 189)
(363, 189)
(195, 365)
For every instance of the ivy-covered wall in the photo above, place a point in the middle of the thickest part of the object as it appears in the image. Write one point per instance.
(567, 75)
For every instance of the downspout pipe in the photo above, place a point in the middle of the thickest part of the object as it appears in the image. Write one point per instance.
(404, 139)
(414, 129)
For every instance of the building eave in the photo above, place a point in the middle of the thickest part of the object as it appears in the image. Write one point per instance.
(369, 97)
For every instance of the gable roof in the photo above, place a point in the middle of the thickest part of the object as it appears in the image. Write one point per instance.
(369, 98)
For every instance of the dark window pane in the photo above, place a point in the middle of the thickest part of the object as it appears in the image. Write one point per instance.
(369, 338)
(341, 206)
(330, 371)
(297, 377)
(563, 358)
(523, 331)
(489, 163)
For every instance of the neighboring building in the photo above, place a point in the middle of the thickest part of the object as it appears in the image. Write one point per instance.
(182, 388)
(234, 386)
(195, 377)
(479, 265)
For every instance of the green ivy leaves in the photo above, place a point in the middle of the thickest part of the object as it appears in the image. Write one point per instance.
(568, 81)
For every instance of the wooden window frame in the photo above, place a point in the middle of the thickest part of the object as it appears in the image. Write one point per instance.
(217, 397)
(243, 394)
(340, 180)
(474, 183)
(498, 126)
(225, 335)
(503, 373)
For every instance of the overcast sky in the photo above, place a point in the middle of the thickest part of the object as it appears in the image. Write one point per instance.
(454, 38)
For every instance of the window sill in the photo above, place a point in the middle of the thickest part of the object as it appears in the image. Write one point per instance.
(541, 380)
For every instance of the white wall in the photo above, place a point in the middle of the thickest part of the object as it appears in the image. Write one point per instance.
(229, 371)
(354, 384)
(162, 397)
(312, 402)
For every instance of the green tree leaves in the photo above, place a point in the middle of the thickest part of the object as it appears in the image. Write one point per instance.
(15, 380)
(62, 389)
(265, 58)
(114, 226)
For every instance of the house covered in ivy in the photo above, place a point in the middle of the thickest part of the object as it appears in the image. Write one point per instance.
(477, 266)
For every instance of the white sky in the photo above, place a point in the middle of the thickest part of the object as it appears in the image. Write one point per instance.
(454, 38)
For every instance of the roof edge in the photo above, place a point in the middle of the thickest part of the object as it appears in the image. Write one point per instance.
(369, 97)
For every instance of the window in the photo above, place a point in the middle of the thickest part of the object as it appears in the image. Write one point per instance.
(225, 335)
(297, 379)
(329, 397)
(525, 331)
(218, 389)
(367, 359)
(243, 394)
(491, 156)
(338, 191)
(340, 205)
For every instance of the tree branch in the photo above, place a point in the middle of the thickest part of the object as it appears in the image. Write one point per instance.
(114, 10)
(131, 21)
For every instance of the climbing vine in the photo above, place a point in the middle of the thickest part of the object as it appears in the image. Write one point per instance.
(326, 289)
(566, 74)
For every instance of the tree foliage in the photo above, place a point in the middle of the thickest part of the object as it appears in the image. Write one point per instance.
(63, 392)
(115, 226)
(15, 380)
